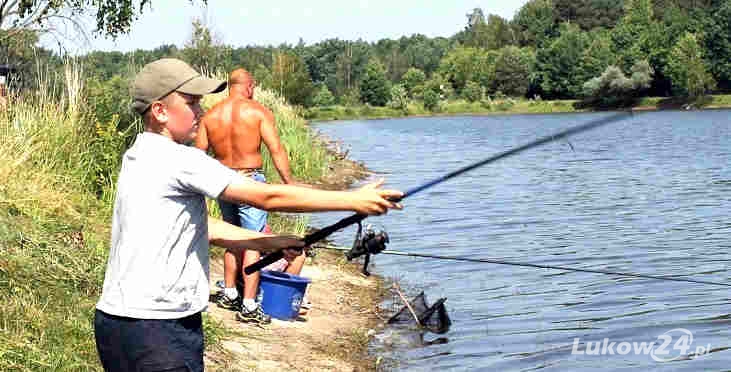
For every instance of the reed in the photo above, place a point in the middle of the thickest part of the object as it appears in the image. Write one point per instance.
(53, 230)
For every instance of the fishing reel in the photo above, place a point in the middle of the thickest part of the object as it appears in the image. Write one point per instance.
(367, 243)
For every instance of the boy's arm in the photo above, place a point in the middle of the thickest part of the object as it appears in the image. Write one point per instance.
(228, 236)
(369, 199)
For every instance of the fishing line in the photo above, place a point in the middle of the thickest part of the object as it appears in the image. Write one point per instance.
(328, 230)
(540, 266)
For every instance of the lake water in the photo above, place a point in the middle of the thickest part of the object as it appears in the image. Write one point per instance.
(650, 194)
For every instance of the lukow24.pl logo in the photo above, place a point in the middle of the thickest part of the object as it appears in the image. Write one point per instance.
(671, 345)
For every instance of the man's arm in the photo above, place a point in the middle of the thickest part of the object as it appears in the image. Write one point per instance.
(369, 199)
(268, 128)
(232, 237)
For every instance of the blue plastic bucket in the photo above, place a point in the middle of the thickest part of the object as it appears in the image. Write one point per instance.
(280, 294)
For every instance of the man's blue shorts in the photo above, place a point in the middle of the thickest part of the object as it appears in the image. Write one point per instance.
(128, 344)
(243, 215)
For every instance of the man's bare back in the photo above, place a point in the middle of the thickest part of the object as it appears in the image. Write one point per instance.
(233, 131)
(235, 128)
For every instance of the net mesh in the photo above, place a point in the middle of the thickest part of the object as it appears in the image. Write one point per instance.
(432, 317)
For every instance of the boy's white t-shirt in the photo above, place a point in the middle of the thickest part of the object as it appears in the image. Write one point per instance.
(158, 261)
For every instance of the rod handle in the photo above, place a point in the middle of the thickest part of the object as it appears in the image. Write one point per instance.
(264, 262)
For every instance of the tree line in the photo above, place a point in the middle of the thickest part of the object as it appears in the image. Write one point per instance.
(605, 52)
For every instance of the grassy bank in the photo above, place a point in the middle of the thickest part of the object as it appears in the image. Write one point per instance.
(58, 166)
(498, 106)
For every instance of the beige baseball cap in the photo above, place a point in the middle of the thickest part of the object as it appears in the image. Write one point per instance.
(164, 76)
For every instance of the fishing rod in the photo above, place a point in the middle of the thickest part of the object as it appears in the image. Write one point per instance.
(524, 264)
(357, 218)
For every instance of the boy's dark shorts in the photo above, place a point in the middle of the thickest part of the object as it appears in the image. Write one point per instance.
(141, 345)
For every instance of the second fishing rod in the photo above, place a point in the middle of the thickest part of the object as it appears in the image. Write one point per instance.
(356, 218)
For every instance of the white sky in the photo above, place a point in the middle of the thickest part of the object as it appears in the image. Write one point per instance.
(240, 22)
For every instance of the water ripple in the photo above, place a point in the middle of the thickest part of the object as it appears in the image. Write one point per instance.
(650, 195)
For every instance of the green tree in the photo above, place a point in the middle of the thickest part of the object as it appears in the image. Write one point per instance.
(375, 88)
(494, 33)
(717, 27)
(323, 97)
(412, 78)
(641, 75)
(686, 68)
(291, 79)
(534, 22)
(350, 97)
(391, 53)
(424, 53)
(499, 32)
(350, 65)
(597, 56)
(251, 57)
(475, 33)
(204, 51)
(431, 100)
(113, 17)
(513, 70)
(632, 35)
(613, 88)
(589, 14)
(19, 51)
(322, 62)
(399, 98)
(558, 65)
(110, 98)
(438, 84)
(461, 65)
(263, 76)
(472, 91)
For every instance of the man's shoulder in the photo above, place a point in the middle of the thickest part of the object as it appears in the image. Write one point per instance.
(250, 107)
(252, 104)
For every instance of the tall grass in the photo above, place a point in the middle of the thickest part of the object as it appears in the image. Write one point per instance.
(58, 166)
(53, 230)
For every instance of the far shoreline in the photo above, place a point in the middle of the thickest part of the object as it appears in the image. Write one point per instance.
(334, 114)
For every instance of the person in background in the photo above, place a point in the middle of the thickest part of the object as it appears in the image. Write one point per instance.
(234, 130)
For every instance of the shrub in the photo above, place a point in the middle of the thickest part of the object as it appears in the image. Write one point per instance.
(399, 99)
(323, 97)
(431, 100)
(687, 69)
(613, 88)
(472, 91)
(411, 79)
(350, 97)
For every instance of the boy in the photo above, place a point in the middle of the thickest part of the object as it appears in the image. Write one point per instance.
(156, 283)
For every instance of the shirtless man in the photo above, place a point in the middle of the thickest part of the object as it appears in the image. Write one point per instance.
(234, 128)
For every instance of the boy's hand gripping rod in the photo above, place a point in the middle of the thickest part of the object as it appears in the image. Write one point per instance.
(328, 230)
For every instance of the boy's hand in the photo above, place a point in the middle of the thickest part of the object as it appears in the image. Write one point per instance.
(372, 200)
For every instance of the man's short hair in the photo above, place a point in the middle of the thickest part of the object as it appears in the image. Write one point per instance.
(164, 76)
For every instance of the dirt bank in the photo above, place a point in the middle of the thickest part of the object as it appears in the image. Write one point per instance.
(338, 327)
